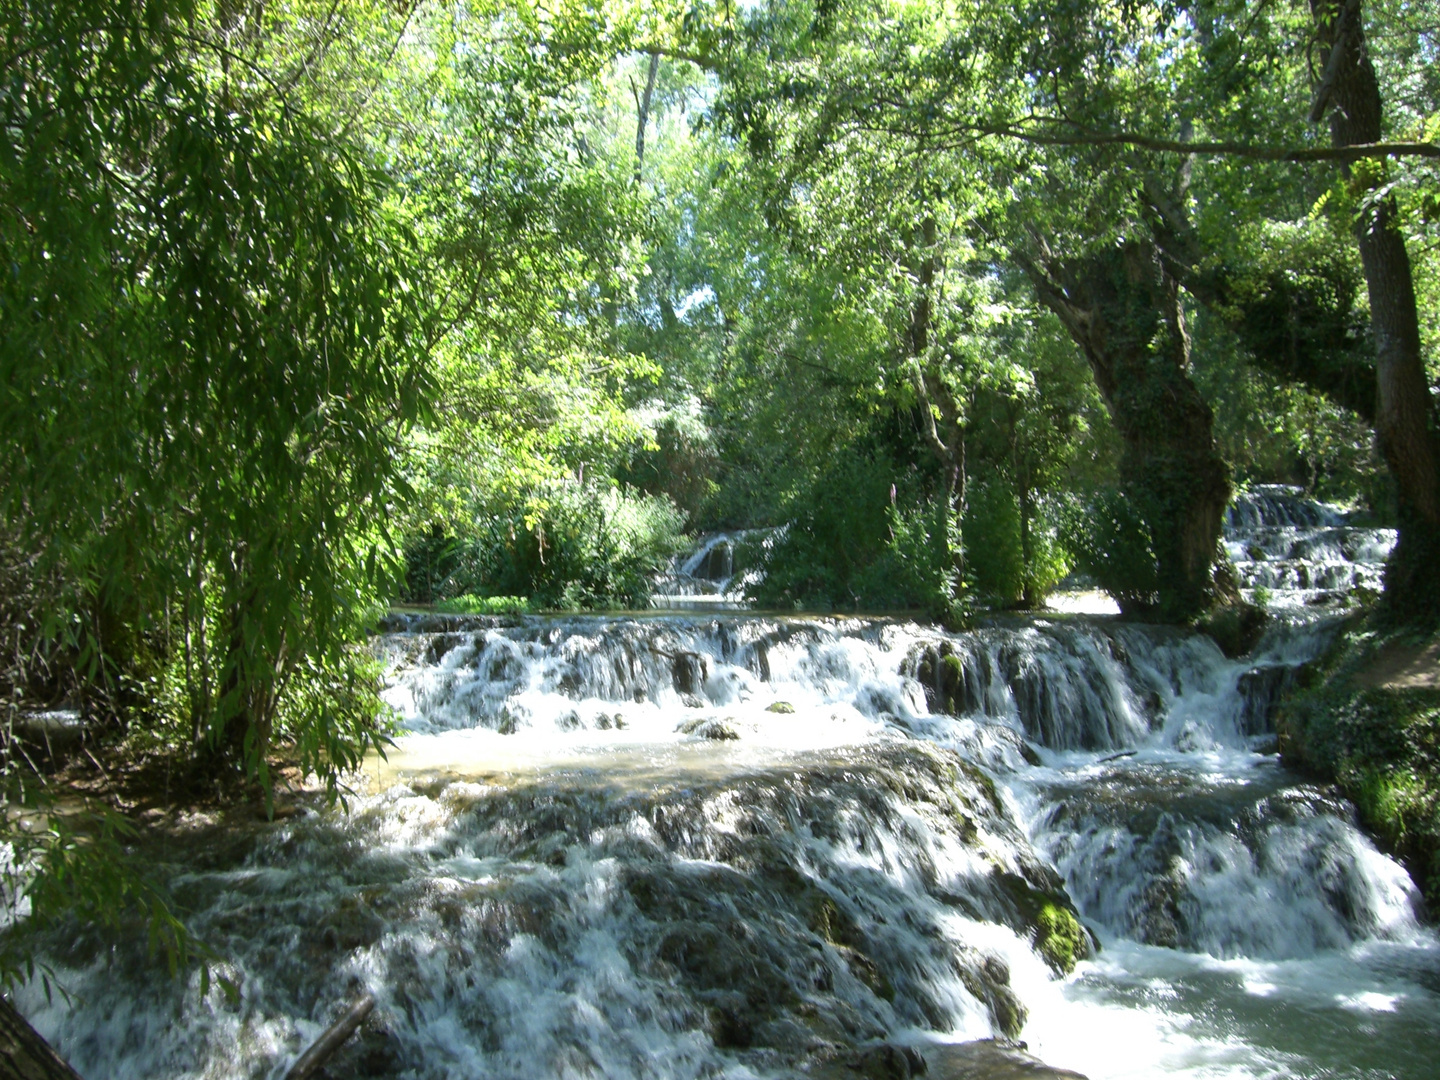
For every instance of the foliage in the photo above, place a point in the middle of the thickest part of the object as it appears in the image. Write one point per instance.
(570, 546)
(1380, 744)
(1111, 544)
(994, 554)
(862, 537)
(470, 604)
(60, 869)
(294, 287)
(212, 356)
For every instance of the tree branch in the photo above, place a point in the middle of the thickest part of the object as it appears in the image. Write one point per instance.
(1353, 152)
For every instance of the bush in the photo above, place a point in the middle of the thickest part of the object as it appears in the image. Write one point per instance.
(470, 604)
(1111, 544)
(850, 544)
(570, 547)
(1379, 743)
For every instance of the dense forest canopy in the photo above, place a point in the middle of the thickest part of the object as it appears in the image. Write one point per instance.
(312, 307)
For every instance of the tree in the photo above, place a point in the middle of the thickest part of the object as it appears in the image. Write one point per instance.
(1404, 409)
(212, 348)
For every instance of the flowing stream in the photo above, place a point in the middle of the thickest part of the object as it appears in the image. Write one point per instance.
(737, 845)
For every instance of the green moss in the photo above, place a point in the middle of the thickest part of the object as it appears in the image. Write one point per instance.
(470, 604)
(952, 679)
(1059, 936)
(1062, 940)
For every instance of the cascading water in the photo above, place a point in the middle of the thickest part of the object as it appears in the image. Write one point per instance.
(742, 846)
(706, 578)
(1301, 552)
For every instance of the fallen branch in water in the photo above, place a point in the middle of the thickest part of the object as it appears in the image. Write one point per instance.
(335, 1035)
(1116, 757)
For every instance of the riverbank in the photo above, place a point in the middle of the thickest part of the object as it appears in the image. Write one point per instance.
(1368, 720)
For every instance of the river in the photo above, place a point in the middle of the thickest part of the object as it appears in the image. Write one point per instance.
(737, 845)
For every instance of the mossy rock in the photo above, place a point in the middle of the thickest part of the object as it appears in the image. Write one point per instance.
(782, 707)
(1057, 932)
(1236, 628)
(952, 683)
(1062, 941)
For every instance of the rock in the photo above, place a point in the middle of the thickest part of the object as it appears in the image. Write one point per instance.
(990, 1059)
(952, 683)
(1236, 628)
(719, 730)
(985, 1059)
(1059, 935)
(689, 671)
(780, 707)
(887, 1062)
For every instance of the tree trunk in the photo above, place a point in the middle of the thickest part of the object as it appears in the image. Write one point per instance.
(1351, 92)
(642, 112)
(933, 396)
(1029, 596)
(1123, 310)
(24, 1055)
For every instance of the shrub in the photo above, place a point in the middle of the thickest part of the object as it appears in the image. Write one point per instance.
(862, 535)
(570, 546)
(470, 604)
(1111, 544)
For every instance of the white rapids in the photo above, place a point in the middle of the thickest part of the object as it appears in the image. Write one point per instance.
(743, 846)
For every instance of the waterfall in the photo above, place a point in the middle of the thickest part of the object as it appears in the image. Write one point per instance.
(1302, 552)
(732, 845)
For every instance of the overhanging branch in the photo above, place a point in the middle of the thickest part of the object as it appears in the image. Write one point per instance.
(1353, 152)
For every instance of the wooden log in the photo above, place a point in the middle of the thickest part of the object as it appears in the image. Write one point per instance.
(24, 1055)
(334, 1036)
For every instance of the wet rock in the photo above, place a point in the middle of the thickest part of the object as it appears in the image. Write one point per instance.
(441, 644)
(719, 730)
(783, 707)
(952, 684)
(1058, 934)
(927, 674)
(984, 1059)
(887, 1062)
(1262, 688)
(510, 721)
(1236, 628)
(990, 1059)
(688, 672)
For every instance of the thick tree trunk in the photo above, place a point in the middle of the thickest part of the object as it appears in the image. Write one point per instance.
(1123, 310)
(24, 1055)
(1351, 93)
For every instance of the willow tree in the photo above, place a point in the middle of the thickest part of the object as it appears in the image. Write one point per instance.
(211, 350)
